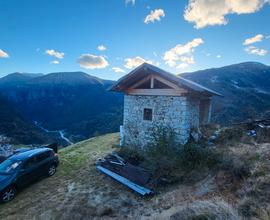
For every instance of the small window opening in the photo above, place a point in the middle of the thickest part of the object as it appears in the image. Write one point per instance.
(147, 114)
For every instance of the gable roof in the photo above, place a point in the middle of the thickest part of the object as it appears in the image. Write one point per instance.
(145, 69)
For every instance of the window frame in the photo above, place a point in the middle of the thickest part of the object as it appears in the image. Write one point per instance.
(148, 116)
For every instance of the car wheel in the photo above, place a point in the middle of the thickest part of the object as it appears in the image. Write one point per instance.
(8, 194)
(51, 170)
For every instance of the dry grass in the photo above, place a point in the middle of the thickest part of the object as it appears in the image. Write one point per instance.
(79, 191)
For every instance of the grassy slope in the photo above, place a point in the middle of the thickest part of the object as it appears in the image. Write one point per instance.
(50, 196)
(79, 191)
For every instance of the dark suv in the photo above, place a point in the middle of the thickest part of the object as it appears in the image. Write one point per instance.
(23, 168)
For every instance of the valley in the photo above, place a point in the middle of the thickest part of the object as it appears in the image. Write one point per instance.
(82, 106)
(61, 133)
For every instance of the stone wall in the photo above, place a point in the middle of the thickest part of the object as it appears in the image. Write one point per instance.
(176, 112)
(193, 111)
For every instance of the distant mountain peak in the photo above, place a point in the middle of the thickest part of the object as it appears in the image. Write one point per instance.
(249, 64)
(245, 86)
(18, 78)
(68, 78)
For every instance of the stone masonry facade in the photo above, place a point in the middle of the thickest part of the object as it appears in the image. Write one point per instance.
(180, 113)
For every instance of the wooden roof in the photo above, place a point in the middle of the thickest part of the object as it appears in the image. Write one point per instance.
(128, 81)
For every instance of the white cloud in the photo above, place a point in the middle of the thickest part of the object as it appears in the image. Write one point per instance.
(218, 56)
(212, 12)
(155, 15)
(55, 62)
(136, 61)
(132, 2)
(256, 51)
(182, 66)
(102, 48)
(3, 54)
(254, 39)
(182, 53)
(90, 61)
(59, 55)
(118, 70)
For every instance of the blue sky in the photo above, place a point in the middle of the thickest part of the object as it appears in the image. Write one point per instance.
(178, 35)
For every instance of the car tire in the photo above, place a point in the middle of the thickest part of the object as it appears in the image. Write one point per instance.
(51, 170)
(8, 194)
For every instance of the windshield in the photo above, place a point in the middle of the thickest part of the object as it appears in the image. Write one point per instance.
(9, 166)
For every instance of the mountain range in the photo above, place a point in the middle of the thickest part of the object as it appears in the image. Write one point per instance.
(81, 106)
(245, 87)
(74, 102)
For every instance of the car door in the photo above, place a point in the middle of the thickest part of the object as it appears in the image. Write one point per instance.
(42, 162)
(28, 172)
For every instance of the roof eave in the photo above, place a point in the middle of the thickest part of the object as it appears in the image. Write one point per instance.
(169, 76)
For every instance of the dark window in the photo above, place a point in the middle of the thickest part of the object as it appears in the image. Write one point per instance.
(43, 156)
(30, 162)
(147, 114)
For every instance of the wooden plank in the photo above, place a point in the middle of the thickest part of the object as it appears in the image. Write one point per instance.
(168, 83)
(168, 92)
(152, 82)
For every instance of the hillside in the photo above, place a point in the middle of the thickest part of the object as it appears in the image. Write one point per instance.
(81, 106)
(79, 191)
(246, 90)
(14, 125)
(72, 101)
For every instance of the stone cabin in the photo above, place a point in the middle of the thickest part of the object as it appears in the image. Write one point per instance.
(155, 98)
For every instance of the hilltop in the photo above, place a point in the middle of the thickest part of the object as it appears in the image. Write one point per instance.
(79, 191)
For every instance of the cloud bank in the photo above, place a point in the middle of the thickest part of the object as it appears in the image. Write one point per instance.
(212, 12)
(253, 40)
(155, 15)
(56, 54)
(90, 61)
(55, 62)
(3, 54)
(118, 70)
(256, 51)
(182, 53)
(135, 61)
(102, 48)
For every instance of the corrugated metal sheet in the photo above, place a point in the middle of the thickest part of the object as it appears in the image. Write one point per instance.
(139, 189)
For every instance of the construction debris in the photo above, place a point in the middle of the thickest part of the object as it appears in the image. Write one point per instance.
(132, 176)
